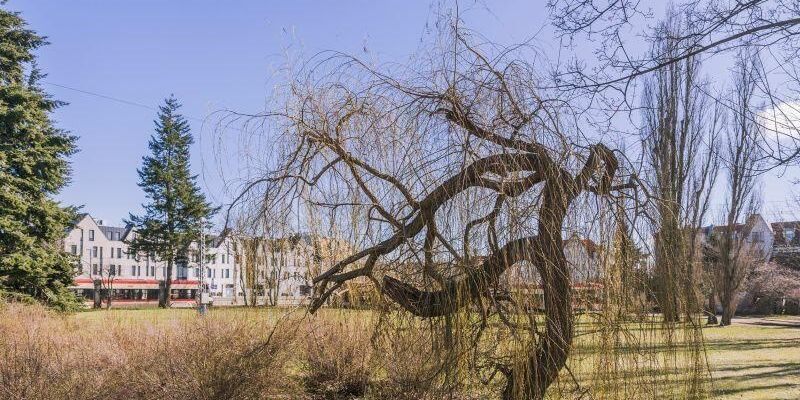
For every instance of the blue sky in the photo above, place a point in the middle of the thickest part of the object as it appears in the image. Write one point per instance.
(212, 55)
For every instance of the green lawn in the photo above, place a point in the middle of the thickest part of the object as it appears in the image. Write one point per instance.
(755, 361)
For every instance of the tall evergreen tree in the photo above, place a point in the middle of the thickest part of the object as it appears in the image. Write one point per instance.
(33, 168)
(175, 207)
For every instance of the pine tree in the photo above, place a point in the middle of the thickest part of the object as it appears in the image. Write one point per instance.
(176, 207)
(33, 168)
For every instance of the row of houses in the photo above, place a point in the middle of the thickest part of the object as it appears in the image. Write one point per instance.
(256, 271)
(769, 240)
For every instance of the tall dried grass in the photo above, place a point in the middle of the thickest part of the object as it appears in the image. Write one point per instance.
(49, 356)
(225, 355)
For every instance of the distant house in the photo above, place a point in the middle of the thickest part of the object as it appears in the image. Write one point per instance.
(787, 235)
(103, 263)
(584, 261)
(755, 232)
(786, 247)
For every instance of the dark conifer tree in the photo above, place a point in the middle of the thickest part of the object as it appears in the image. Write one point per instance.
(33, 168)
(176, 207)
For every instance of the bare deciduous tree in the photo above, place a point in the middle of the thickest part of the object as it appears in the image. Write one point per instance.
(680, 135)
(737, 256)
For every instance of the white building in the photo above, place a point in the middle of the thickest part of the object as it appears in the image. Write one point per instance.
(104, 263)
(220, 268)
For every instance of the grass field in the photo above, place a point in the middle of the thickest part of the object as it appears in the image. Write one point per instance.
(759, 360)
(756, 358)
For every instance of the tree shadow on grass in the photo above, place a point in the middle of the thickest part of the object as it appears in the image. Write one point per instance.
(714, 345)
(742, 379)
(722, 391)
(775, 323)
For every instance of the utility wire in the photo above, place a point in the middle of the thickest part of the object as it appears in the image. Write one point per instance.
(118, 100)
(123, 101)
(138, 105)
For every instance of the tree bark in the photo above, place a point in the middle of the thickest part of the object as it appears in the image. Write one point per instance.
(167, 285)
(728, 309)
(712, 309)
(162, 294)
(97, 299)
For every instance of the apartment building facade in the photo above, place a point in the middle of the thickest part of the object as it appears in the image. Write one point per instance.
(106, 269)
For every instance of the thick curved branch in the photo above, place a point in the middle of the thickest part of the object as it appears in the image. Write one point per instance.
(460, 292)
(471, 176)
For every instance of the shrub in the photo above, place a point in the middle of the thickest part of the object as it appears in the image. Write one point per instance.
(337, 357)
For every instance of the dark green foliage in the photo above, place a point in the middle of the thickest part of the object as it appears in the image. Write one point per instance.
(33, 167)
(175, 207)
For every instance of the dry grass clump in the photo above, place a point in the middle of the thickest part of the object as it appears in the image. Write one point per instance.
(213, 358)
(40, 356)
(48, 356)
(337, 360)
(411, 370)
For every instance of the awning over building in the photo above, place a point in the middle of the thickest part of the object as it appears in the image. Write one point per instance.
(128, 283)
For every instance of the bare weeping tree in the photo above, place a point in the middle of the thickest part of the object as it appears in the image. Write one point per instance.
(680, 133)
(737, 255)
(451, 173)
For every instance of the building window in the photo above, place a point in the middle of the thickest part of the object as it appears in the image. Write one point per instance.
(73, 249)
(119, 252)
(789, 235)
(756, 237)
(153, 270)
(133, 270)
(208, 272)
(91, 235)
(94, 269)
(94, 251)
(182, 272)
(113, 270)
(227, 273)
